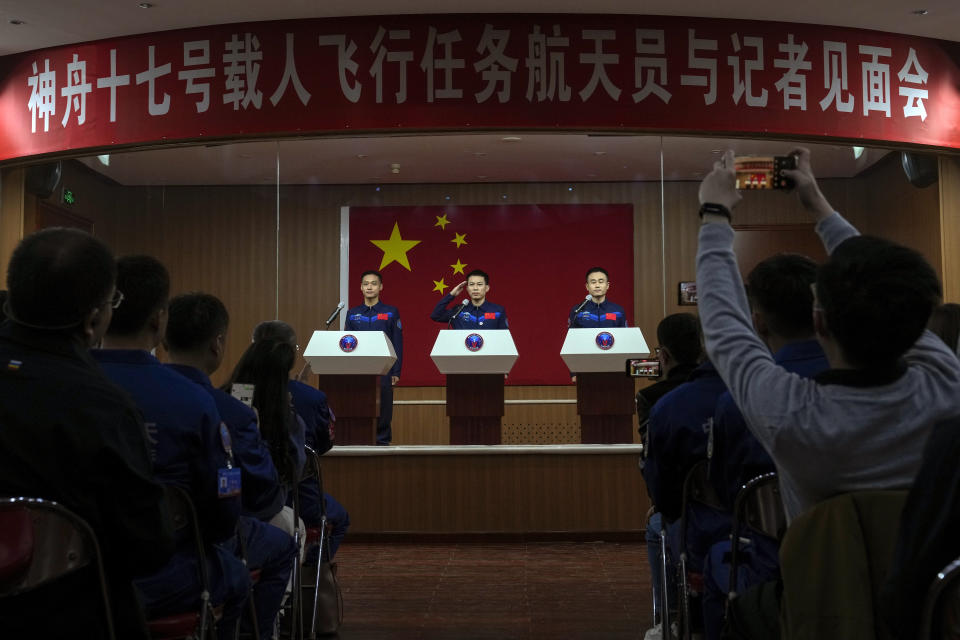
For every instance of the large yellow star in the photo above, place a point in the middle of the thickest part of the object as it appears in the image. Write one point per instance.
(439, 285)
(395, 248)
(457, 268)
(459, 239)
(442, 221)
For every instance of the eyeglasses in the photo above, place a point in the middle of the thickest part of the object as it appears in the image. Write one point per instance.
(116, 299)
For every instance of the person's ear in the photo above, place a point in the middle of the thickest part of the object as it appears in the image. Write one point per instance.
(91, 327)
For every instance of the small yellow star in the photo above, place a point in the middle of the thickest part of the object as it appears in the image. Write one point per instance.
(459, 239)
(458, 268)
(439, 285)
(395, 248)
(442, 221)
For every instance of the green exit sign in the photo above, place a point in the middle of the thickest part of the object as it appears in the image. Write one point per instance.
(68, 197)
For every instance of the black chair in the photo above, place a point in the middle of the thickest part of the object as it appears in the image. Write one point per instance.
(189, 624)
(757, 510)
(323, 573)
(941, 611)
(42, 541)
(696, 489)
(661, 606)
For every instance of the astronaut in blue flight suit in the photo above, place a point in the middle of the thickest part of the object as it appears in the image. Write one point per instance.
(374, 315)
(195, 450)
(596, 310)
(478, 312)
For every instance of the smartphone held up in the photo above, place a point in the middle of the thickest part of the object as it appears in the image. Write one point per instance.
(764, 172)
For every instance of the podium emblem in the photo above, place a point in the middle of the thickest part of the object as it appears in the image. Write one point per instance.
(348, 343)
(473, 342)
(604, 340)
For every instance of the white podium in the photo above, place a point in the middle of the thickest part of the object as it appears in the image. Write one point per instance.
(475, 363)
(605, 394)
(350, 364)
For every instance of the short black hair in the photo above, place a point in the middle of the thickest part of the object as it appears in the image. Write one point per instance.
(371, 272)
(57, 276)
(594, 270)
(274, 330)
(945, 322)
(877, 297)
(194, 319)
(480, 273)
(680, 333)
(145, 284)
(780, 288)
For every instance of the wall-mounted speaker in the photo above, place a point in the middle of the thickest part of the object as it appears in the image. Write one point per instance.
(42, 179)
(921, 168)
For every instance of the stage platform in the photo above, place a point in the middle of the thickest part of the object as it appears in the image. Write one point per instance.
(565, 490)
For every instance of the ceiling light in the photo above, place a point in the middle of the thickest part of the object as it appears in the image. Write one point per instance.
(599, 153)
(919, 12)
(857, 152)
(361, 156)
(145, 5)
(715, 151)
(511, 139)
(569, 188)
(16, 22)
(446, 197)
(395, 168)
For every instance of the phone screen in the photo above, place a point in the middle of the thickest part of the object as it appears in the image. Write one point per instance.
(643, 367)
(243, 392)
(763, 172)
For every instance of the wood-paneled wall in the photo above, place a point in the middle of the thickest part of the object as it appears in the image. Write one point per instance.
(270, 252)
(950, 227)
(489, 493)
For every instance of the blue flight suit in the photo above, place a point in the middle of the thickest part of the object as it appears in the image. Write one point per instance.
(68, 434)
(381, 317)
(678, 431)
(183, 428)
(603, 315)
(268, 548)
(486, 316)
(737, 457)
(311, 405)
(263, 496)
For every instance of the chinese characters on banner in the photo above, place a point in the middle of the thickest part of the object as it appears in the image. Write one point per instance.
(460, 72)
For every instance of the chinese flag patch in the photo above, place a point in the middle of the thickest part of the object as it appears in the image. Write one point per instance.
(489, 316)
(383, 316)
(609, 316)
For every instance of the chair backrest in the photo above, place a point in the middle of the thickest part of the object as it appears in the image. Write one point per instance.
(186, 525)
(941, 611)
(41, 541)
(312, 469)
(759, 506)
(698, 488)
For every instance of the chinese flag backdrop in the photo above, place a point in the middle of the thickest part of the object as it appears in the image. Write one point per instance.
(536, 255)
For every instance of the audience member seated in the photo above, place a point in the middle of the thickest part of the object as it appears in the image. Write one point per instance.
(55, 406)
(678, 433)
(189, 448)
(929, 532)
(861, 424)
(781, 304)
(679, 353)
(311, 405)
(195, 340)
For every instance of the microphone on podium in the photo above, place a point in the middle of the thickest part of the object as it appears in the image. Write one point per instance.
(333, 316)
(462, 306)
(573, 318)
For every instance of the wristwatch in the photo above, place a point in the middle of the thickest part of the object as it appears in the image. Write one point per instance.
(717, 209)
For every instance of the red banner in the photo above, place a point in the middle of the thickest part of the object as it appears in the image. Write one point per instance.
(537, 257)
(463, 72)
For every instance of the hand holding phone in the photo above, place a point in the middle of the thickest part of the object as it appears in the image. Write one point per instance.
(764, 172)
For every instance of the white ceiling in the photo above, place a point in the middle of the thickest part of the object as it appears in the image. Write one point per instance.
(446, 158)
(48, 23)
(455, 159)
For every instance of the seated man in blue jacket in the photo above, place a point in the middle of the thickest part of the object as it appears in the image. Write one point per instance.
(195, 340)
(781, 303)
(476, 312)
(189, 448)
(596, 310)
(311, 405)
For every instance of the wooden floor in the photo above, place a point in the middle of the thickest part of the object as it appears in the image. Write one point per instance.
(523, 590)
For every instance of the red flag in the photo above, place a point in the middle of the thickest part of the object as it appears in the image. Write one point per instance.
(536, 255)
(383, 316)
(609, 316)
